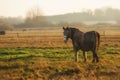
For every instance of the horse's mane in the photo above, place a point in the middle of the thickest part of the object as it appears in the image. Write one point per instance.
(75, 29)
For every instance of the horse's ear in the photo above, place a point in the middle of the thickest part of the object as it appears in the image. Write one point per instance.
(67, 27)
(63, 27)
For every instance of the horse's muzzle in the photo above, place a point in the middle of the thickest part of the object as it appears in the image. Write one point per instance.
(65, 39)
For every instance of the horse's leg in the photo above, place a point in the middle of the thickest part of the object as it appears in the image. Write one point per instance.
(95, 57)
(85, 56)
(76, 55)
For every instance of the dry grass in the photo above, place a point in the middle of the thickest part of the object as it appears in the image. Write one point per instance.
(53, 64)
(51, 59)
(43, 38)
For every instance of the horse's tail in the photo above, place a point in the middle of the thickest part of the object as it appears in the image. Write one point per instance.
(98, 39)
(98, 35)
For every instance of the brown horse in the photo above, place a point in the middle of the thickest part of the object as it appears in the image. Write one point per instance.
(88, 41)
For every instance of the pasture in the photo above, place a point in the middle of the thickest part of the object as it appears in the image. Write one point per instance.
(42, 55)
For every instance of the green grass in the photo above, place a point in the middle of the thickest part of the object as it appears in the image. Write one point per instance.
(58, 64)
(44, 54)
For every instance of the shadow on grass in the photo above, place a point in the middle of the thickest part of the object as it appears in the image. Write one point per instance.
(68, 72)
(53, 58)
(109, 73)
(11, 67)
(19, 58)
(12, 53)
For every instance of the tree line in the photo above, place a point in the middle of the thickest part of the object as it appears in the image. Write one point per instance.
(36, 19)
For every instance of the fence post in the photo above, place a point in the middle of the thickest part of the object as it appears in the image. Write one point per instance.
(104, 34)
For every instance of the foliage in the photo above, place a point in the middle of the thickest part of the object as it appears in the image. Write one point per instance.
(98, 15)
(5, 26)
(36, 19)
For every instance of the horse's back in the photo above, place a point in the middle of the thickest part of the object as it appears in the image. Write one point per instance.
(91, 40)
(90, 36)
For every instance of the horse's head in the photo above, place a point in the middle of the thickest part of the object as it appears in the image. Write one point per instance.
(67, 33)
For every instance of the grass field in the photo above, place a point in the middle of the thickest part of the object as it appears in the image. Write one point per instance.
(46, 57)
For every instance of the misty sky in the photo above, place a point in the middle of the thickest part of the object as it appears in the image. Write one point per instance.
(16, 8)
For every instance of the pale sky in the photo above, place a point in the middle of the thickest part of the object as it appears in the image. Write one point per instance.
(16, 8)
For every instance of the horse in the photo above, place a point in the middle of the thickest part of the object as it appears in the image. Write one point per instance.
(88, 41)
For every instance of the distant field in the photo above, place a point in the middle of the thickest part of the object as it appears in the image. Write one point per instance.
(42, 55)
(46, 38)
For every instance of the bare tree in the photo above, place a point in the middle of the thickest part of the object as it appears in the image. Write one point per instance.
(34, 12)
(35, 18)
